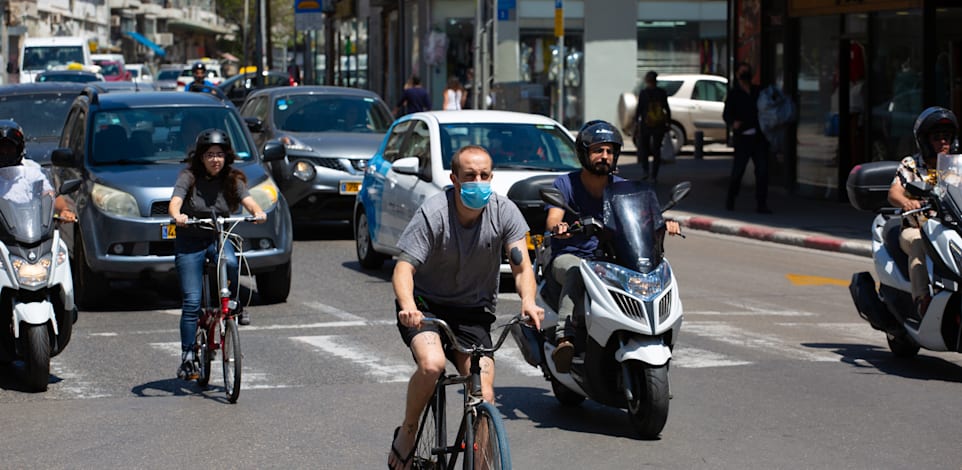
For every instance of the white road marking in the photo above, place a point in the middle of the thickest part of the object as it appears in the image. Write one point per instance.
(859, 331)
(737, 336)
(375, 364)
(108, 333)
(736, 313)
(251, 379)
(294, 326)
(510, 355)
(694, 358)
(74, 384)
(333, 311)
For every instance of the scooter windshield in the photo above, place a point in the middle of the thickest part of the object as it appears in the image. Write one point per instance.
(26, 203)
(633, 221)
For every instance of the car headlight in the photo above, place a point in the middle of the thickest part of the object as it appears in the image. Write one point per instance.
(647, 286)
(265, 194)
(294, 144)
(114, 202)
(304, 170)
(31, 274)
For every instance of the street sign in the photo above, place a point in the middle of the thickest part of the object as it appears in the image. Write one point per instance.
(308, 15)
(506, 9)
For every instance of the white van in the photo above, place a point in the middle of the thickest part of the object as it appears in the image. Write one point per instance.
(40, 54)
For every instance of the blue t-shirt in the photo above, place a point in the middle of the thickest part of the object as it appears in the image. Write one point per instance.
(206, 87)
(414, 100)
(578, 198)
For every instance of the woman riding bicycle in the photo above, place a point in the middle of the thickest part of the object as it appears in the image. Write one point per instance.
(208, 185)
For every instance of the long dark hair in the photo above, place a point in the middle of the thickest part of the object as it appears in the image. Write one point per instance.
(230, 178)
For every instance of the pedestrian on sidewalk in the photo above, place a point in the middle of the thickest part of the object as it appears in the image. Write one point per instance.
(414, 98)
(454, 95)
(741, 114)
(652, 121)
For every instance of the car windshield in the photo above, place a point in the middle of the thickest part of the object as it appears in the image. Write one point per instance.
(41, 115)
(543, 147)
(110, 68)
(168, 75)
(47, 57)
(67, 77)
(160, 135)
(327, 113)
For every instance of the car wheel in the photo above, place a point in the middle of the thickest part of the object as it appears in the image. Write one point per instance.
(366, 255)
(677, 136)
(89, 287)
(274, 287)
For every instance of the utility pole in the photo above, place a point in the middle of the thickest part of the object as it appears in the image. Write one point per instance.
(478, 71)
(262, 35)
(559, 32)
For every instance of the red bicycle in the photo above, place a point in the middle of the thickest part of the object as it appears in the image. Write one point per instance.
(217, 325)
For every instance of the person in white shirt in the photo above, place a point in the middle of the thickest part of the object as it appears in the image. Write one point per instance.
(454, 95)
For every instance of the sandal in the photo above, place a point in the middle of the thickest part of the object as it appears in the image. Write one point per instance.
(403, 461)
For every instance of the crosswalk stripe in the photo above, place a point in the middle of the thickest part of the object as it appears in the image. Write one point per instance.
(695, 358)
(731, 334)
(376, 365)
(511, 356)
(251, 379)
(74, 384)
(333, 311)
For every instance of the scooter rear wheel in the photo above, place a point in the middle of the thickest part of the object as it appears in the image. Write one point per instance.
(565, 395)
(902, 346)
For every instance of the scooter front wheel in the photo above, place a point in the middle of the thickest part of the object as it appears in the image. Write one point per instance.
(648, 409)
(37, 360)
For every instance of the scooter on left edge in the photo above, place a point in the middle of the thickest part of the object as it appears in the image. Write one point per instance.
(633, 312)
(36, 288)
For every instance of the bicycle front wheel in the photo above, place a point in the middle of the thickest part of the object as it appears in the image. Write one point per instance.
(231, 358)
(431, 434)
(490, 440)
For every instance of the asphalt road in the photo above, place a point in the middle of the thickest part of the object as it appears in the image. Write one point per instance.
(773, 369)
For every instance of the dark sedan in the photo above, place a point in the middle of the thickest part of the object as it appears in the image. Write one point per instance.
(239, 86)
(75, 76)
(41, 109)
(330, 133)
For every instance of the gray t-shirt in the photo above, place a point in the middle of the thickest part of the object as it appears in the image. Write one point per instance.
(458, 266)
(207, 195)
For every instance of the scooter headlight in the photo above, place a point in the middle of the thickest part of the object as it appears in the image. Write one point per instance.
(647, 286)
(31, 274)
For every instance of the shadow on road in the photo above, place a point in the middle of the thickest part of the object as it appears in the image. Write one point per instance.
(178, 388)
(873, 357)
(540, 407)
(383, 273)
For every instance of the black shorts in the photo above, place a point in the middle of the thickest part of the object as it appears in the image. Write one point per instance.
(471, 325)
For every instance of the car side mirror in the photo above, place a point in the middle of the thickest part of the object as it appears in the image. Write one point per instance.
(274, 150)
(555, 198)
(63, 157)
(407, 166)
(70, 186)
(678, 192)
(255, 125)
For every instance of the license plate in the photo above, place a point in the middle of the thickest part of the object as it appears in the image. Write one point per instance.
(350, 187)
(168, 231)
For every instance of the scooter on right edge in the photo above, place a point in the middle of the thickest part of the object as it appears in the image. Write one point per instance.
(633, 312)
(890, 309)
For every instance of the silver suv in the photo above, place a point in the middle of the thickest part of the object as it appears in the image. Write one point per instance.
(127, 148)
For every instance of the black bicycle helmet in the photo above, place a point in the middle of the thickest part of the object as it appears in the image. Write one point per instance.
(935, 118)
(198, 66)
(208, 137)
(597, 132)
(11, 132)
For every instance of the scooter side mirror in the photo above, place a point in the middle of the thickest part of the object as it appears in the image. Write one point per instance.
(555, 198)
(678, 192)
(70, 186)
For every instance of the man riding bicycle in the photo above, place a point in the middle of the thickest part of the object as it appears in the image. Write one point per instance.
(449, 268)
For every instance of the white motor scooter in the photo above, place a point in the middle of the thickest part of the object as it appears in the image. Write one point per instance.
(633, 312)
(891, 309)
(36, 289)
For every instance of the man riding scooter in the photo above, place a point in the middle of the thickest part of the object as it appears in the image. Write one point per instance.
(935, 131)
(598, 146)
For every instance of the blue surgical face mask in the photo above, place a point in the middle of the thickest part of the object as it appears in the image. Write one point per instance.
(475, 194)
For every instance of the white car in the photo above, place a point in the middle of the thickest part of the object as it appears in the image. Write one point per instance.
(696, 101)
(214, 74)
(413, 163)
(140, 73)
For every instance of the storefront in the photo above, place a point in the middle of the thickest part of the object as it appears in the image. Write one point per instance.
(860, 72)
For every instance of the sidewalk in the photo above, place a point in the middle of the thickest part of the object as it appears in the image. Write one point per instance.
(818, 224)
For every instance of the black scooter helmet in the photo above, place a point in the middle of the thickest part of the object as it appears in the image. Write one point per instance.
(198, 66)
(10, 131)
(934, 119)
(597, 132)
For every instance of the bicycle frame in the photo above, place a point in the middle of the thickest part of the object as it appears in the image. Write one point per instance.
(473, 398)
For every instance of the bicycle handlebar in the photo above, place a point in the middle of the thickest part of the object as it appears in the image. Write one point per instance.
(218, 220)
(443, 325)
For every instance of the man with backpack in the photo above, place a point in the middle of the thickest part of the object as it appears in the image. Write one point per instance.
(652, 121)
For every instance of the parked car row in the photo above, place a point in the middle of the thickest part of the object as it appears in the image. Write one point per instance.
(311, 154)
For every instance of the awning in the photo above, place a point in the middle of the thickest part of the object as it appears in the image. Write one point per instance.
(147, 42)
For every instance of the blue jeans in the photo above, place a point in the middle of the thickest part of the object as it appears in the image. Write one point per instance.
(189, 260)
